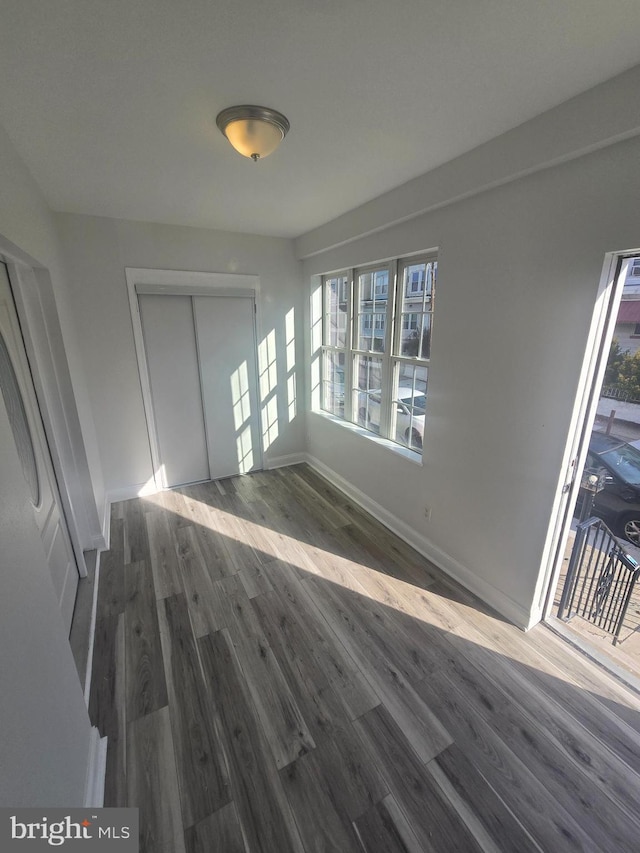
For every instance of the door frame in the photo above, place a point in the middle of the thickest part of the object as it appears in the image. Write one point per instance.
(158, 282)
(600, 335)
(38, 321)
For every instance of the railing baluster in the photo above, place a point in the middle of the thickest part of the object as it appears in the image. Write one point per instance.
(600, 578)
(618, 593)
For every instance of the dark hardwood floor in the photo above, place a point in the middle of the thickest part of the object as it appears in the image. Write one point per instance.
(275, 671)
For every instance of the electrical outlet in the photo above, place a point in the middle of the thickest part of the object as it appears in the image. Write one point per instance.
(427, 513)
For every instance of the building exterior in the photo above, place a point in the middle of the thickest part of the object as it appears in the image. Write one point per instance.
(627, 329)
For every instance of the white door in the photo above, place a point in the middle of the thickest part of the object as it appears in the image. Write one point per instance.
(200, 354)
(172, 364)
(20, 400)
(226, 348)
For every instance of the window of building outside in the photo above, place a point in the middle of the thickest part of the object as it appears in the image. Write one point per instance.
(377, 323)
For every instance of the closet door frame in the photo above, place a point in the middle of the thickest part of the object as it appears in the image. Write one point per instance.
(142, 281)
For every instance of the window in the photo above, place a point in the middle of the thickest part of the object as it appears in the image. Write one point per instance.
(635, 268)
(410, 322)
(416, 280)
(335, 339)
(375, 369)
(381, 280)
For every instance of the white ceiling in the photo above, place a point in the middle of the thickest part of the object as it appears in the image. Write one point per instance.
(112, 103)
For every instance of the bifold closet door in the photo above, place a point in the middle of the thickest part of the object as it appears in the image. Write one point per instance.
(225, 334)
(174, 376)
(18, 394)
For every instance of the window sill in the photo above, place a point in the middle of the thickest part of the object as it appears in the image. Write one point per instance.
(386, 443)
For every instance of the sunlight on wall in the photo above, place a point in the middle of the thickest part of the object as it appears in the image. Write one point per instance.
(290, 339)
(290, 349)
(271, 357)
(268, 370)
(241, 402)
(267, 365)
(270, 422)
(240, 396)
(291, 396)
(154, 483)
(245, 450)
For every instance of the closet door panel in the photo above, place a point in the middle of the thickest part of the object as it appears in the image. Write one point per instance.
(227, 352)
(172, 363)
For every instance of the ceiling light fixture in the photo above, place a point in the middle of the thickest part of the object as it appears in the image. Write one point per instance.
(254, 132)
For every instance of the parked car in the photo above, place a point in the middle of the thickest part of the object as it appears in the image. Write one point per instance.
(618, 504)
(410, 408)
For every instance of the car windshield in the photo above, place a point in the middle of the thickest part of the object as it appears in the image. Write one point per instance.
(625, 461)
(416, 405)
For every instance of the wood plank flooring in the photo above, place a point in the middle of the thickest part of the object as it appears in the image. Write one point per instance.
(276, 671)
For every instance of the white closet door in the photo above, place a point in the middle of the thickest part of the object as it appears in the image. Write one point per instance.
(19, 396)
(226, 347)
(172, 363)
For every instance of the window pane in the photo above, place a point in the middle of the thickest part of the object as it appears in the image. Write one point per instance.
(418, 280)
(336, 301)
(333, 383)
(373, 296)
(371, 332)
(416, 309)
(368, 391)
(415, 338)
(409, 405)
(425, 337)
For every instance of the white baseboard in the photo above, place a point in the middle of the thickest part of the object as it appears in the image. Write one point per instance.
(284, 461)
(92, 631)
(125, 493)
(106, 523)
(96, 770)
(495, 598)
(99, 543)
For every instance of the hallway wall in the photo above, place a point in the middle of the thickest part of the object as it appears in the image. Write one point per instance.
(97, 251)
(518, 274)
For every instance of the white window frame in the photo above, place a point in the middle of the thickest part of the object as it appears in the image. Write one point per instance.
(391, 358)
(345, 294)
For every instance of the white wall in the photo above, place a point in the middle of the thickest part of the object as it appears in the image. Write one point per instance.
(44, 745)
(597, 118)
(97, 250)
(519, 268)
(27, 234)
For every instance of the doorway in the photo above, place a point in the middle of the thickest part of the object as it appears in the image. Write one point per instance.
(594, 562)
(18, 392)
(197, 357)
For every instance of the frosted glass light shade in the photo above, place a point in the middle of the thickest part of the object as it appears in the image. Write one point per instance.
(253, 138)
(254, 132)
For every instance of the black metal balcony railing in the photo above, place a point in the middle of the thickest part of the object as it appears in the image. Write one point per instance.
(600, 579)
